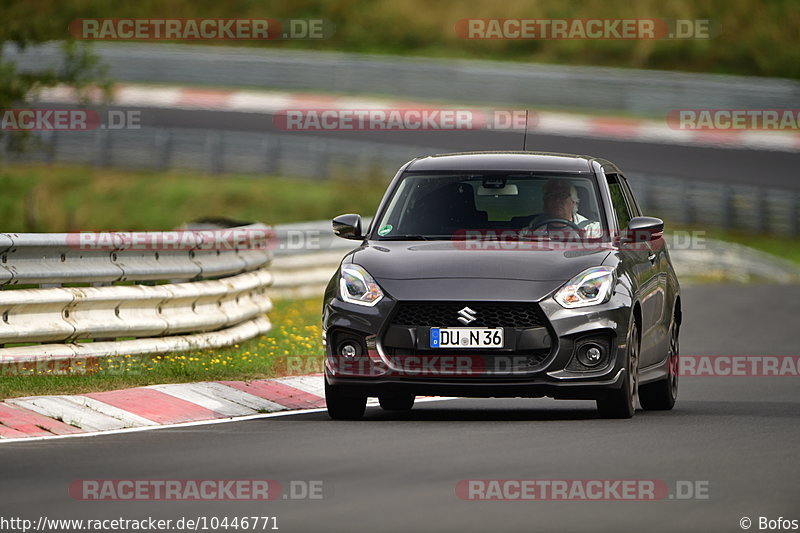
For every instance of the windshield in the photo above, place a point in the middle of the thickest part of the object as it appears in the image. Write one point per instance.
(445, 206)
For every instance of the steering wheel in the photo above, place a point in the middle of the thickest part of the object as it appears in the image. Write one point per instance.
(563, 221)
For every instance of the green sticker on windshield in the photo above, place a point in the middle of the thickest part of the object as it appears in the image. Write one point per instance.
(384, 230)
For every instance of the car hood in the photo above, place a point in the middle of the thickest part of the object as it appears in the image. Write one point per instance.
(404, 260)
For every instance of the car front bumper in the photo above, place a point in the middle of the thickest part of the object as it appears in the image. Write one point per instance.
(537, 362)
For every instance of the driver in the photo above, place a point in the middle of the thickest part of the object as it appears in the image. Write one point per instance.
(561, 202)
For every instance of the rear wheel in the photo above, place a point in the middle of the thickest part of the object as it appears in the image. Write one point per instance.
(622, 403)
(401, 402)
(661, 395)
(342, 407)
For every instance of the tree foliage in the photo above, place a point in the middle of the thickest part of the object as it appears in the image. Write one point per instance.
(25, 24)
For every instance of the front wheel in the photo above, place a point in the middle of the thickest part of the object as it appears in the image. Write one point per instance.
(661, 395)
(342, 407)
(622, 403)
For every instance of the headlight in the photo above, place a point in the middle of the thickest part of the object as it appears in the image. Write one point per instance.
(591, 287)
(358, 287)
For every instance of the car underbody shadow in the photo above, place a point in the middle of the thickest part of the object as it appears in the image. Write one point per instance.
(488, 410)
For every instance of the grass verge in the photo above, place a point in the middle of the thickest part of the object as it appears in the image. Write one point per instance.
(58, 198)
(293, 346)
(45, 198)
(780, 246)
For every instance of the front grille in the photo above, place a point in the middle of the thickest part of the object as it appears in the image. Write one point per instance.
(487, 314)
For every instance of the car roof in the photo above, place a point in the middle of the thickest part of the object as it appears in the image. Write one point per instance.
(504, 161)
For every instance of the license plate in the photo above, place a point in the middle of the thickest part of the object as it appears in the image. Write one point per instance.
(466, 338)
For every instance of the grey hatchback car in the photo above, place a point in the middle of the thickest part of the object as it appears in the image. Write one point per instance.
(503, 274)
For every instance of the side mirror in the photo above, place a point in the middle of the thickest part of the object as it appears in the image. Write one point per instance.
(348, 227)
(643, 229)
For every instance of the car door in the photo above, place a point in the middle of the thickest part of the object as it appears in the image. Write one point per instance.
(641, 263)
(659, 314)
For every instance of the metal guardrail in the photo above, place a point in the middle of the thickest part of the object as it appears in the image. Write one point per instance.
(215, 152)
(680, 201)
(701, 204)
(134, 299)
(56, 258)
(595, 88)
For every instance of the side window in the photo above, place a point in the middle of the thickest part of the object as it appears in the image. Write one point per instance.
(631, 199)
(618, 201)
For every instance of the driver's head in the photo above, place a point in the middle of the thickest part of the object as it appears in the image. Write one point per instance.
(560, 199)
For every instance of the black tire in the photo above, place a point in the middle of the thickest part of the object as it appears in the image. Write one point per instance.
(622, 403)
(402, 402)
(661, 395)
(342, 407)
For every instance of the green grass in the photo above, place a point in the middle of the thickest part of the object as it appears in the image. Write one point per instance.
(42, 198)
(751, 37)
(74, 198)
(780, 246)
(293, 346)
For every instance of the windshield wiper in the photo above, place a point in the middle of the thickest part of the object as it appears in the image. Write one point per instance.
(406, 238)
(534, 237)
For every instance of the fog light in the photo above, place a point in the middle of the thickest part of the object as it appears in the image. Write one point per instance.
(590, 355)
(348, 350)
(347, 345)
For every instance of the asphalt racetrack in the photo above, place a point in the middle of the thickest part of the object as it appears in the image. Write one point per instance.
(730, 165)
(740, 166)
(732, 439)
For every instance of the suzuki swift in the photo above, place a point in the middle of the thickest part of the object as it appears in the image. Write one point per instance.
(503, 274)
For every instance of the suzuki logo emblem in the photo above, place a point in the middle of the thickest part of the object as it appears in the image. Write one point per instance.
(466, 316)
